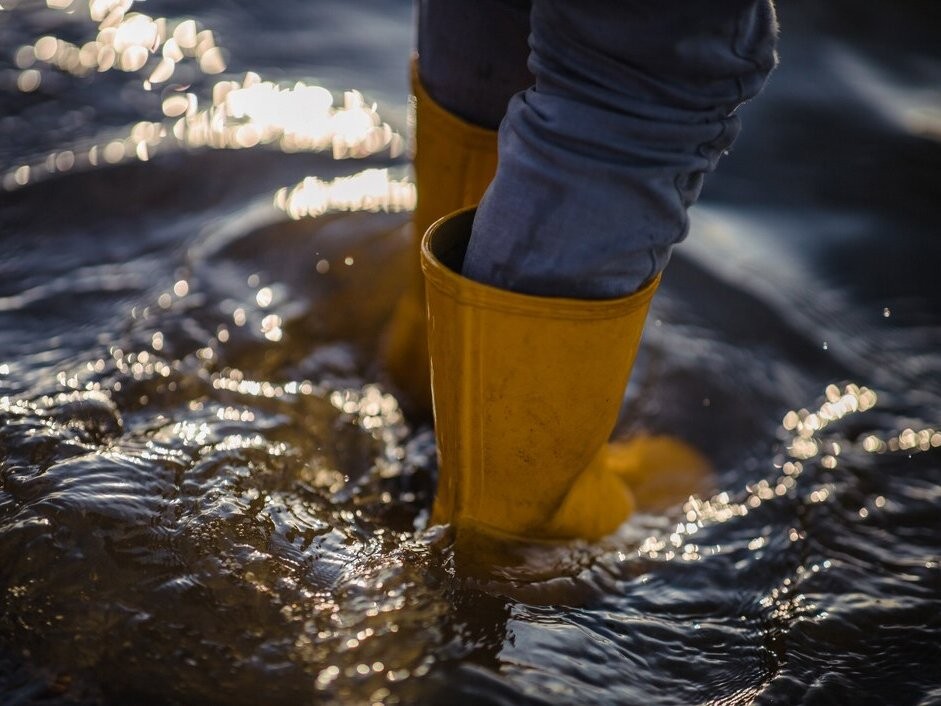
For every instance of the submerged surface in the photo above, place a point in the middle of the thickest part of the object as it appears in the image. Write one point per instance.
(207, 493)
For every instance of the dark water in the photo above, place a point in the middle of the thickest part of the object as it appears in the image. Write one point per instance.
(207, 494)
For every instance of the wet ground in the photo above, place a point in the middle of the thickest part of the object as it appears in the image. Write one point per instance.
(209, 495)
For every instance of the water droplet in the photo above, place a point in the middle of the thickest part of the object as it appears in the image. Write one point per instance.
(21, 175)
(45, 48)
(264, 297)
(271, 327)
(28, 80)
(24, 57)
(212, 61)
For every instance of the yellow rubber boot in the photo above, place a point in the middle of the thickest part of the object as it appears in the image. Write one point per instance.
(454, 163)
(526, 393)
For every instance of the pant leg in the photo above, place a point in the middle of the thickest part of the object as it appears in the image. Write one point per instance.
(633, 103)
(472, 55)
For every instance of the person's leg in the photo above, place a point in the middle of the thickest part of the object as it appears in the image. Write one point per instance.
(473, 54)
(633, 102)
(531, 348)
(472, 59)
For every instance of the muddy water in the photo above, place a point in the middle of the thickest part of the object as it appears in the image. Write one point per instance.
(208, 493)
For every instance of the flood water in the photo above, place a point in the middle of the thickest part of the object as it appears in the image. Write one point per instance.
(208, 494)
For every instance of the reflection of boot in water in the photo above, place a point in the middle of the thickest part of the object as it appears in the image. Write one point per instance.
(527, 390)
(454, 163)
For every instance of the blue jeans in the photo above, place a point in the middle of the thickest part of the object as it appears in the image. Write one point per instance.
(605, 133)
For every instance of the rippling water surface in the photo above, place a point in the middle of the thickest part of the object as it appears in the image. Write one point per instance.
(208, 494)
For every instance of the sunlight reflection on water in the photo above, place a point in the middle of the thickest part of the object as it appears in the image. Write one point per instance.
(240, 114)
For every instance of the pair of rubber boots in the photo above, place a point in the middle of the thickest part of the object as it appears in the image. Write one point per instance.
(526, 390)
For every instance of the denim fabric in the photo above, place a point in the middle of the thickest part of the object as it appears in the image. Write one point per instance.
(633, 102)
(474, 55)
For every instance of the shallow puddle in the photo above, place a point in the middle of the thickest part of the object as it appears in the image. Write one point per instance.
(209, 492)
